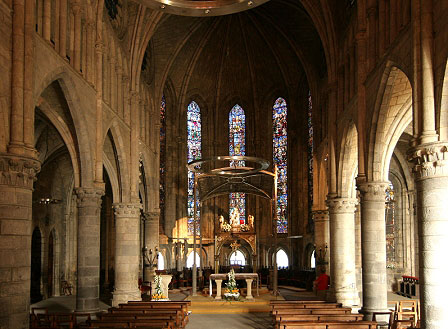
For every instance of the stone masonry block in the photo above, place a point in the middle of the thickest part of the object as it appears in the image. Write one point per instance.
(13, 259)
(13, 288)
(15, 212)
(15, 226)
(5, 275)
(13, 242)
(21, 274)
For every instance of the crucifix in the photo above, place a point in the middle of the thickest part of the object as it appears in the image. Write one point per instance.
(235, 245)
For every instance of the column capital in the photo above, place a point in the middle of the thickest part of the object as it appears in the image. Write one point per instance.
(18, 171)
(320, 215)
(89, 196)
(127, 209)
(152, 215)
(372, 191)
(429, 160)
(342, 205)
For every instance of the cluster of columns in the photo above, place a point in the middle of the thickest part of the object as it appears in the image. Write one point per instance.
(17, 175)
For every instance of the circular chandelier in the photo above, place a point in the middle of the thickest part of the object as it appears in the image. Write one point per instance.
(200, 7)
(235, 169)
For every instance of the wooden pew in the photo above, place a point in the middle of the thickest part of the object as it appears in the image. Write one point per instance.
(161, 324)
(305, 305)
(165, 305)
(285, 319)
(181, 314)
(131, 317)
(330, 325)
(339, 310)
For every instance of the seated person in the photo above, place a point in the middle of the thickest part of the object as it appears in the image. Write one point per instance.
(322, 282)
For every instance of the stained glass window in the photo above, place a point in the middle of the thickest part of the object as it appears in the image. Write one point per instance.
(237, 146)
(280, 150)
(390, 225)
(194, 153)
(310, 163)
(162, 158)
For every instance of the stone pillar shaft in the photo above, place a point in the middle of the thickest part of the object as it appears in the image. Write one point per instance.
(322, 236)
(342, 228)
(127, 252)
(16, 182)
(89, 204)
(152, 229)
(373, 237)
(431, 167)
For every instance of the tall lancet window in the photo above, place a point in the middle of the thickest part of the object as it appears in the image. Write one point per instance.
(162, 158)
(390, 226)
(194, 153)
(280, 157)
(237, 146)
(310, 162)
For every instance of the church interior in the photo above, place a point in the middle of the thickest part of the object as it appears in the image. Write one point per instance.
(271, 138)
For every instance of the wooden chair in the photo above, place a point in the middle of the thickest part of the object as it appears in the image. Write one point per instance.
(383, 323)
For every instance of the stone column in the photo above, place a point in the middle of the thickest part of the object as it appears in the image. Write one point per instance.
(89, 205)
(373, 244)
(152, 229)
(431, 173)
(127, 252)
(17, 175)
(342, 249)
(322, 237)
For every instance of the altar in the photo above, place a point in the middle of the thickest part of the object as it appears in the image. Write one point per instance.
(249, 277)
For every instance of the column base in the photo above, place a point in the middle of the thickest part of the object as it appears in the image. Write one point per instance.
(121, 296)
(87, 305)
(368, 313)
(347, 298)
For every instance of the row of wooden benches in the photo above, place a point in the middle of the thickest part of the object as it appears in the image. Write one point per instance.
(316, 315)
(150, 315)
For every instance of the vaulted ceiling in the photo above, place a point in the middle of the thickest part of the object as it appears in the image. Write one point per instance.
(249, 55)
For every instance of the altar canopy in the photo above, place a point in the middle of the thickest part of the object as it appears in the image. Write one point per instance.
(242, 174)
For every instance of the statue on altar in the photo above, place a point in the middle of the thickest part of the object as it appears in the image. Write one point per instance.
(235, 218)
(250, 221)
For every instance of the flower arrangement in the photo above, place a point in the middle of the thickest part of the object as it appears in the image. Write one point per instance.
(158, 294)
(244, 228)
(231, 291)
(226, 227)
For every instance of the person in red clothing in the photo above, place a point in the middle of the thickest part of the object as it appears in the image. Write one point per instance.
(322, 282)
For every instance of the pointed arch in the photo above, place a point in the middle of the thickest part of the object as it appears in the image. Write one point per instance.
(392, 116)
(348, 161)
(443, 111)
(82, 137)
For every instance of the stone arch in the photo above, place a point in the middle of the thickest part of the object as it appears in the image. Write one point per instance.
(443, 110)
(63, 129)
(82, 138)
(36, 265)
(118, 143)
(348, 162)
(145, 186)
(308, 253)
(55, 284)
(390, 120)
(320, 184)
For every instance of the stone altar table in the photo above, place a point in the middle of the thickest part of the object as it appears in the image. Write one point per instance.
(249, 277)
